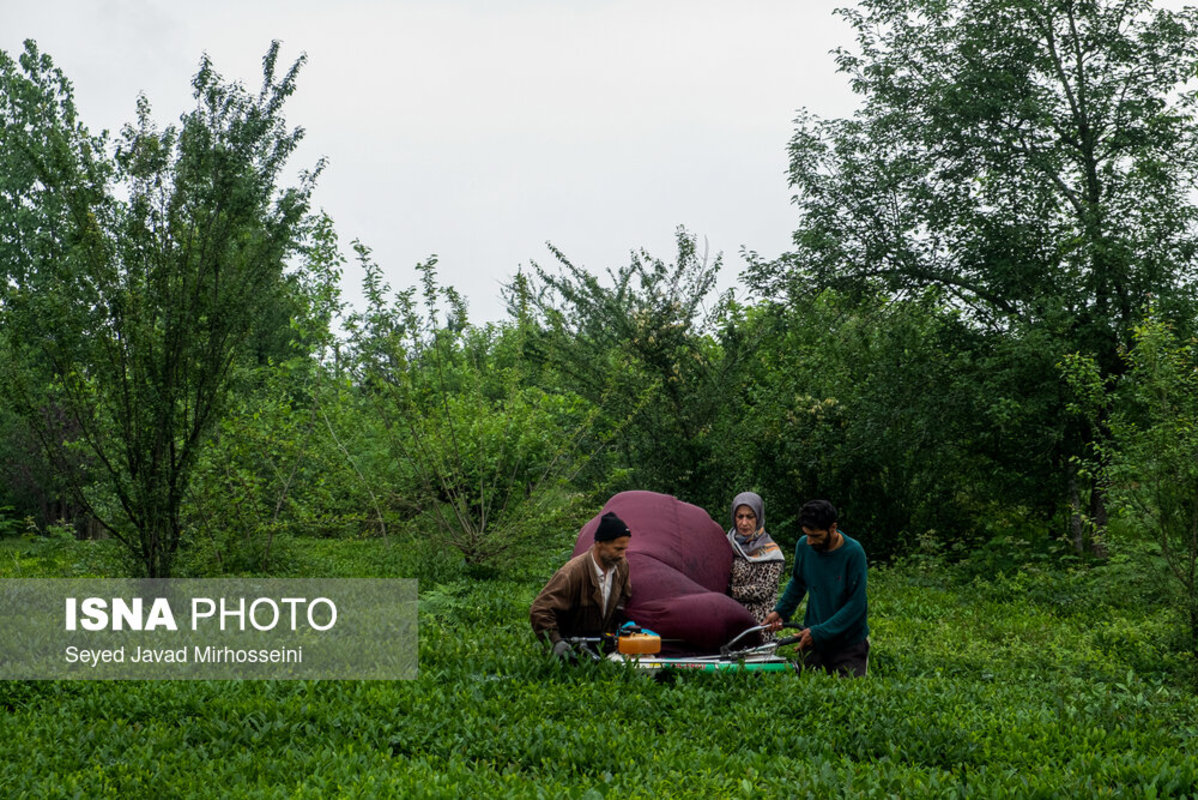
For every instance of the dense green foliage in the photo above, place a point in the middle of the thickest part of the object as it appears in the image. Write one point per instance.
(482, 454)
(643, 353)
(1031, 160)
(1033, 682)
(136, 282)
(908, 369)
(1149, 461)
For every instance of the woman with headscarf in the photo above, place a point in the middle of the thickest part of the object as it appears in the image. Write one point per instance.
(757, 561)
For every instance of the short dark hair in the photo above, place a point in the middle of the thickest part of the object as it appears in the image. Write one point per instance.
(819, 515)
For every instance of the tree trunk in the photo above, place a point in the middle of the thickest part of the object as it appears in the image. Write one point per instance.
(1086, 530)
(1077, 527)
(1098, 520)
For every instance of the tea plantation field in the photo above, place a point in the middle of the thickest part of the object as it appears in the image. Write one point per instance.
(1033, 683)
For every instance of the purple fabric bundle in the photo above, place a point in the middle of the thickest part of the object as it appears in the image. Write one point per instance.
(680, 563)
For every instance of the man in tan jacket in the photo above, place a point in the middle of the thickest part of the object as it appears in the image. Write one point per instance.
(587, 595)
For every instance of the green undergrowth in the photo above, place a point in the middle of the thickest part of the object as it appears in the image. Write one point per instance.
(977, 689)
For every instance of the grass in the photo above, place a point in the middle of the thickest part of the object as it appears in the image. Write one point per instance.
(1037, 683)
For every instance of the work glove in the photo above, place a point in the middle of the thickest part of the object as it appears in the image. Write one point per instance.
(563, 650)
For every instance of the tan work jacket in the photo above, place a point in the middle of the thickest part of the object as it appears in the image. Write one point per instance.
(571, 604)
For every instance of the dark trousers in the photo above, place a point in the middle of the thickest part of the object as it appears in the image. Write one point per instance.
(850, 661)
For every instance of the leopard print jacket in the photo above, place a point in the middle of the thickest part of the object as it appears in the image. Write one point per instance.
(754, 585)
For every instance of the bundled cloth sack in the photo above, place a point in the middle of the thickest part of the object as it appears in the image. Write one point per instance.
(680, 563)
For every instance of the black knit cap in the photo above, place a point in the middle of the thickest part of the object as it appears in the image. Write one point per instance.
(611, 527)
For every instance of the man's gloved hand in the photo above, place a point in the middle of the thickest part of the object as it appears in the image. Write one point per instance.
(563, 650)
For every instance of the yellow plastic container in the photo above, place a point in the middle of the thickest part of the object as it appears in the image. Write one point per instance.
(639, 644)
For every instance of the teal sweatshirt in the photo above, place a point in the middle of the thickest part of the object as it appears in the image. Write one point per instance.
(834, 583)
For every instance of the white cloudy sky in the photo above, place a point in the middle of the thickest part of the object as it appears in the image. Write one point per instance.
(479, 130)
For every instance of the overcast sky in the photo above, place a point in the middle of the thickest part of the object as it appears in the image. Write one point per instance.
(479, 130)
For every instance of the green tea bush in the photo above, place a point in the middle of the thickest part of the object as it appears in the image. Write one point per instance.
(62, 556)
(972, 693)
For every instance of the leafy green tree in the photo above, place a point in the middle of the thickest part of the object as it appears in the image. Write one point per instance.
(1035, 160)
(1149, 461)
(137, 283)
(876, 404)
(650, 348)
(486, 460)
(29, 486)
(276, 469)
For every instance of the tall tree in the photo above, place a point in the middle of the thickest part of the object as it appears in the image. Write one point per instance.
(639, 345)
(1150, 458)
(135, 281)
(481, 456)
(1035, 159)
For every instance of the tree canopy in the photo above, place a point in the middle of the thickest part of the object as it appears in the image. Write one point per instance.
(137, 278)
(1035, 159)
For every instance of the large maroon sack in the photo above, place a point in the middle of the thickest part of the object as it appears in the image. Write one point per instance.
(680, 562)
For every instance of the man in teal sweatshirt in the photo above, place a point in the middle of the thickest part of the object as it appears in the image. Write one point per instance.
(829, 568)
